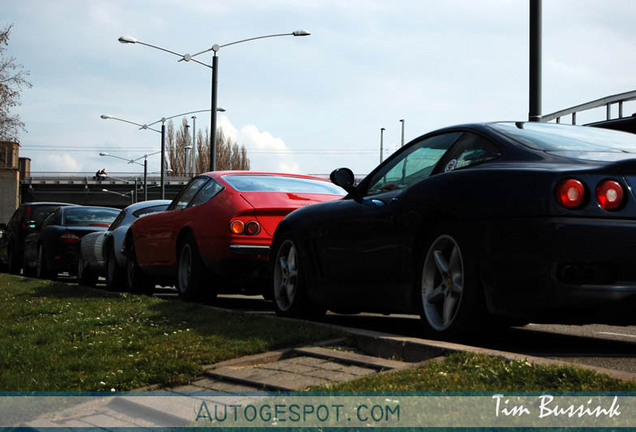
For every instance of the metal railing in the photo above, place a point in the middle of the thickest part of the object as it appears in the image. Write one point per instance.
(607, 102)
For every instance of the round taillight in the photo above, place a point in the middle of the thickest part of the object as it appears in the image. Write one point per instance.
(237, 227)
(609, 195)
(252, 228)
(570, 193)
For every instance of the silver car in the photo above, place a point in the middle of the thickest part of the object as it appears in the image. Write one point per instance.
(101, 252)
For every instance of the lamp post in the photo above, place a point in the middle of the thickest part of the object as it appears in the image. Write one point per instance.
(194, 145)
(120, 194)
(402, 139)
(382, 144)
(215, 70)
(163, 137)
(131, 161)
(162, 151)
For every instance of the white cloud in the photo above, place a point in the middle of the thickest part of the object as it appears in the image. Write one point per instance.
(61, 163)
(265, 151)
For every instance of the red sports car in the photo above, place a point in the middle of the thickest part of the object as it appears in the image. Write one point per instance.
(215, 236)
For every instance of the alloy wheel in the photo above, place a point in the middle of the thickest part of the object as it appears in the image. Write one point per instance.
(442, 283)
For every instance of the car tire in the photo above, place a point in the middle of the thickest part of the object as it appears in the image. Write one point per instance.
(136, 281)
(85, 276)
(27, 269)
(289, 287)
(191, 272)
(42, 270)
(450, 296)
(114, 274)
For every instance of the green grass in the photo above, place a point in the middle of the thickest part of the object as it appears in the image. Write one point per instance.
(472, 373)
(58, 337)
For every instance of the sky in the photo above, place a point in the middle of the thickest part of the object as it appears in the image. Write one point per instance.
(300, 104)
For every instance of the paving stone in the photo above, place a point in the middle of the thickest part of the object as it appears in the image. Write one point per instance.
(308, 361)
(287, 366)
(333, 376)
(353, 358)
(212, 384)
(106, 419)
(271, 379)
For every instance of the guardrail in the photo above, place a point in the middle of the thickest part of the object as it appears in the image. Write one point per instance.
(91, 179)
(607, 102)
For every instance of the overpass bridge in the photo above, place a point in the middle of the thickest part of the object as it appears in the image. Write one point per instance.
(117, 190)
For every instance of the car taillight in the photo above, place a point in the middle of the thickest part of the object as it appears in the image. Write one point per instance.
(27, 214)
(70, 238)
(249, 228)
(609, 195)
(252, 228)
(570, 193)
(237, 227)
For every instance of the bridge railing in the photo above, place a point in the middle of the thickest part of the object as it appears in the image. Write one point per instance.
(607, 102)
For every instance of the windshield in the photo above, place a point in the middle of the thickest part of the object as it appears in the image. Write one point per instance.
(275, 183)
(556, 137)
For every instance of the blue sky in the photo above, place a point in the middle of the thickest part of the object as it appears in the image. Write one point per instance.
(300, 104)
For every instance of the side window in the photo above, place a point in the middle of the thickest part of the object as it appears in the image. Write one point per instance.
(206, 193)
(413, 165)
(471, 149)
(186, 195)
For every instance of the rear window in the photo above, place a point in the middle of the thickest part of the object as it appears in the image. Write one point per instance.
(554, 137)
(89, 216)
(273, 183)
(148, 210)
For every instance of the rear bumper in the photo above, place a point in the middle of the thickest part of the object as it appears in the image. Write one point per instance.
(546, 266)
(250, 250)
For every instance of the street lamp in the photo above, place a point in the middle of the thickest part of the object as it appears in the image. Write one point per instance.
(120, 194)
(402, 140)
(145, 165)
(382, 144)
(163, 152)
(215, 70)
(163, 137)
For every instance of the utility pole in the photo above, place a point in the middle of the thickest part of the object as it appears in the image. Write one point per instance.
(534, 115)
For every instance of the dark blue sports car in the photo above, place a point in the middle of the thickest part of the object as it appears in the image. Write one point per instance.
(473, 226)
(54, 247)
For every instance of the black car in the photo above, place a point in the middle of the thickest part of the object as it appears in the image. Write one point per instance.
(473, 226)
(54, 248)
(26, 218)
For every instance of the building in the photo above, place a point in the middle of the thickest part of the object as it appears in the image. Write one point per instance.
(9, 179)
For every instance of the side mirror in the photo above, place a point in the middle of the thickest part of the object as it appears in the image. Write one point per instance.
(3, 226)
(345, 178)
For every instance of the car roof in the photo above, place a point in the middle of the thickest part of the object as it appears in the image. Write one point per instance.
(143, 204)
(45, 203)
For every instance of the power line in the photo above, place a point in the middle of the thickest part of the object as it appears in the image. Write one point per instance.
(249, 151)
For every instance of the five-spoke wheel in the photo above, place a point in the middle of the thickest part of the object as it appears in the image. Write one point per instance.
(451, 300)
(289, 290)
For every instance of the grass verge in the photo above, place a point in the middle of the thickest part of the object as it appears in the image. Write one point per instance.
(464, 372)
(58, 337)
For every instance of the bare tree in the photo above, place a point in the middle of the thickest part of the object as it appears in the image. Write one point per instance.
(12, 79)
(229, 155)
